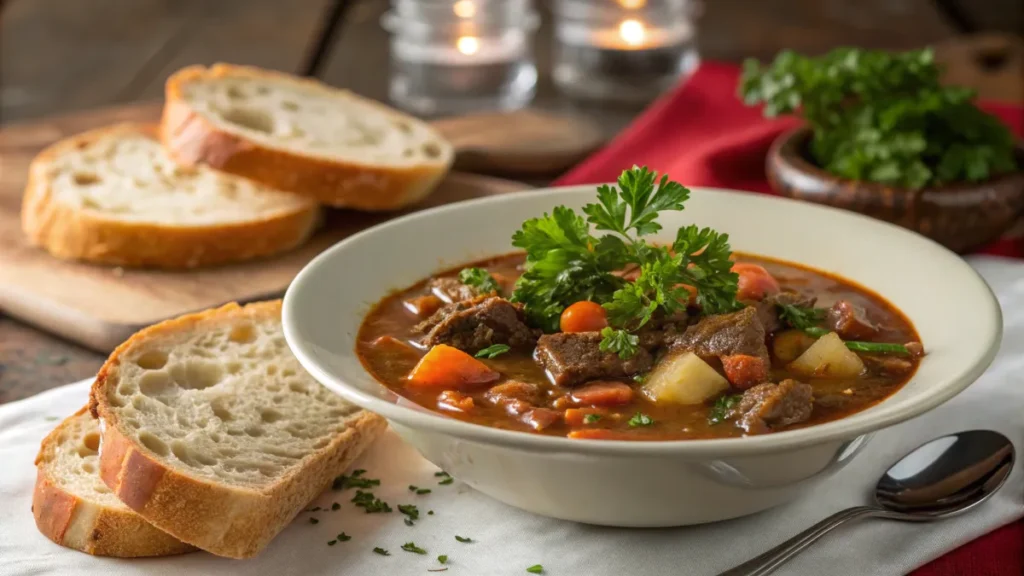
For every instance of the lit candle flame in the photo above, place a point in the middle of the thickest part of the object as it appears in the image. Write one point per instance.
(465, 9)
(632, 4)
(632, 32)
(468, 45)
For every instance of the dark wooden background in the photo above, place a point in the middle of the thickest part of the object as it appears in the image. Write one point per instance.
(58, 56)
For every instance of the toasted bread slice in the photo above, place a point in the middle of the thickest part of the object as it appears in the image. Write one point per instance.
(74, 508)
(302, 136)
(215, 434)
(112, 196)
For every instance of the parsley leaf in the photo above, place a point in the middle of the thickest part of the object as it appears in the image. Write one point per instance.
(722, 407)
(636, 192)
(480, 279)
(409, 510)
(800, 317)
(412, 547)
(640, 419)
(443, 558)
(619, 341)
(493, 350)
(344, 537)
(706, 264)
(382, 551)
(883, 117)
(535, 569)
(354, 481)
(463, 539)
(591, 418)
(367, 501)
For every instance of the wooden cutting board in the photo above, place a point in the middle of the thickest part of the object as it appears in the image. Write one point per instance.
(99, 307)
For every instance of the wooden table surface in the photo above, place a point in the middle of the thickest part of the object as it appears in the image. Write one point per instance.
(58, 56)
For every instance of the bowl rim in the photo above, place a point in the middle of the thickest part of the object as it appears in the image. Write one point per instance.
(787, 149)
(843, 429)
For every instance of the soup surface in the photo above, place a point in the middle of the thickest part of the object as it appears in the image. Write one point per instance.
(805, 348)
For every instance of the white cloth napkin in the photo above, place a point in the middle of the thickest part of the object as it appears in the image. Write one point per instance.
(507, 541)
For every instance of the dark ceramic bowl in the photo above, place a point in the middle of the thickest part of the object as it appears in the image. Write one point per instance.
(961, 217)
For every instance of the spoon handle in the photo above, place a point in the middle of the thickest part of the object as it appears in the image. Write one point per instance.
(772, 559)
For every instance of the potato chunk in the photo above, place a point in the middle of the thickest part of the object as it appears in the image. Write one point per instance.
(683, 379)
(829, 358)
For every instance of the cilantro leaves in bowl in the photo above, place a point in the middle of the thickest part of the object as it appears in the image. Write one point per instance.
(566, 262)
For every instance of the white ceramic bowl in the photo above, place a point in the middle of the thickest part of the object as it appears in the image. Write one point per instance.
(645, 483)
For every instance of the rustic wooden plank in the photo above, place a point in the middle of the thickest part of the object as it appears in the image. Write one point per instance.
(60, 56)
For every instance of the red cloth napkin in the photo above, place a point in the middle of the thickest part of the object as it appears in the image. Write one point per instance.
(702, 135)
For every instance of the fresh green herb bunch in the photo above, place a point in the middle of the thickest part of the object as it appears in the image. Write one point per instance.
(565, 263)
(883, 117)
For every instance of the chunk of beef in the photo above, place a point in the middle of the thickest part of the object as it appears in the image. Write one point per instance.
(451, 290)
(739, 334)
(850, 321)
(662, 329)
(767, 407)
(472, 325)
(768, 309)
(576, 357)
(887, 365)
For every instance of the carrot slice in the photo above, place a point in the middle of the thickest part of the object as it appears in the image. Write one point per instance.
(583, 316)
(610, 434)
(423, 306)
(744, 371)
(578, 416)
(755, 282)
(447, 367)
(603, 393)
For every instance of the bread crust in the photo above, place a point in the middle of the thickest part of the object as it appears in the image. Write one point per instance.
(231, 521)
(92, 527)
(192, 139)
(73, 234)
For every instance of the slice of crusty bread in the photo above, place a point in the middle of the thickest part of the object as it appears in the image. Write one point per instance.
(215, 434)
(75, 509)
(112, 196)
(301, 136)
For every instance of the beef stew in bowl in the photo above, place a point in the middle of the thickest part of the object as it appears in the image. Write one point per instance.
(638, 483)
(611, 337)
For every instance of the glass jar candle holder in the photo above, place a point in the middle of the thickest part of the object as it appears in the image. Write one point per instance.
(627, 51)
(456, 56)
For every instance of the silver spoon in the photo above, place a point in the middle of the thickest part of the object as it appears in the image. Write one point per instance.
(944, 477)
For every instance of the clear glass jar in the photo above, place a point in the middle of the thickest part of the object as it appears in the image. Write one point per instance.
(455, 56)
(623, 50)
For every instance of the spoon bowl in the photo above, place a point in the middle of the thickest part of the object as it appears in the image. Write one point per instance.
(938, 479)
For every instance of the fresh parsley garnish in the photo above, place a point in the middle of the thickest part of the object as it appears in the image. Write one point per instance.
(883, 117)
(463, 539)
(535, 569)
(480, 279)
(446, 481)
(591, 418)
(344, 537)
(800, 317)
(335, 506)
(441, 473)
(381, 551)
(640, 419)
(443, 558)
(565, 263)
(313, 509)
(412, 547)
(422, 491)
(722, 407)
(314, 521)
(355, 480)
(367, 501)
(493, 350)
(332, 542)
